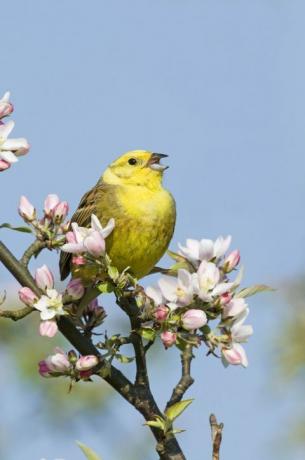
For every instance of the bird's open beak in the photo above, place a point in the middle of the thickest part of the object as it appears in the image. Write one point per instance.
(154, 162)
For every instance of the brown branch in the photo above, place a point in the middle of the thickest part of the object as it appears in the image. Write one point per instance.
(32, 250)
(15, 315)
(216, 432)
(186, 379)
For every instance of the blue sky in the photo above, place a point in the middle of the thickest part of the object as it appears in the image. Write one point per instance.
(217, 85)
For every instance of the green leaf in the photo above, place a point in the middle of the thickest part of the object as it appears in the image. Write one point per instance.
(124, 359)
(105, 288)
(113, 272)
(176, 409)
(159, 422)
(252, 290)
(17, 229)
(147, 333)
(89, 453)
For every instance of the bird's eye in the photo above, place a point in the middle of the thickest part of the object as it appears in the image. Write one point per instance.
(132, 161)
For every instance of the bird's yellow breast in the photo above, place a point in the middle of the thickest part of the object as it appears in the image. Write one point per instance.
(144, 224)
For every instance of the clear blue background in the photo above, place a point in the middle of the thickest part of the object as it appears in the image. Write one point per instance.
(217, 85)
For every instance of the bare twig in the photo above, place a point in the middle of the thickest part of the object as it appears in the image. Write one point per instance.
(216, 432)
(186, 379)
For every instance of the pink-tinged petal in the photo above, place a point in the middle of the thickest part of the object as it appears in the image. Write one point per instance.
(95, 244)
(50, 203)
(108, 229)
(168, 286)
(44, 369)
(8, 156)
(4, 165)
(79, 237)
(26, 209)
(70, 237)
(6, 97)
(222, 288)
(6, 129)
(95, 223)
(60, 211)
(58, 362)
(234, 307)
(84, 363)
(231, 261)
(168, 338)
(75, 288)
(27, 296)
(44, 278)
(235, 355)
(193, 319)
(191, 250)
(48, 328)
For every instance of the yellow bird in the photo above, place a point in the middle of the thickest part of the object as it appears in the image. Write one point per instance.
(130, 191)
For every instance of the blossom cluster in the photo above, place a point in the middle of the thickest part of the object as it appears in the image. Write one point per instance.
(52, 225)
(61, 364)
(10, 149)
(202, 292)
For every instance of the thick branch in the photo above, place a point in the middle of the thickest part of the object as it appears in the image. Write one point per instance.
(186, 380)
(216, 432)
(15, 315)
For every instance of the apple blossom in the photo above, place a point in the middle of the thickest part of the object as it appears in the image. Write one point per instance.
(231, 261)
(241, 332)
(177, 291)
(154, 292)
(50, 305)
(6, 107)
(4, 165)
(234, 307)
(168, 338)
(207, 284)
(26, 209)
(27, 296)
(235, 355)
(84, 363)
(58, 362)
(48, 328)
(75, 288)
(44, 278)
(90, 240)
(196, 251)
(193, 319)
(50, 204)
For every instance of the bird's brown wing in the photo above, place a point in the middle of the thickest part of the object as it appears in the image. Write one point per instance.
(82, 217)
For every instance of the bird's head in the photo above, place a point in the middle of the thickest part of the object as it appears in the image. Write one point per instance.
(137, 167)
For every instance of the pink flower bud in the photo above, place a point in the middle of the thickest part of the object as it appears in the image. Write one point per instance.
(26, 209)
(234, 355)
(168, 338)
(78, 260)
(161, 313)
(95, 244)
(4, 165)
(6, 107)
(225, 298)
(75, 288)
(193, 319)
(58, 362)
(50, 203)
(27, 296)
(48, 328)
(84, 363)
(44, 369)
(60, 212)
(231, 261)
(44, 278)
(235, 307)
